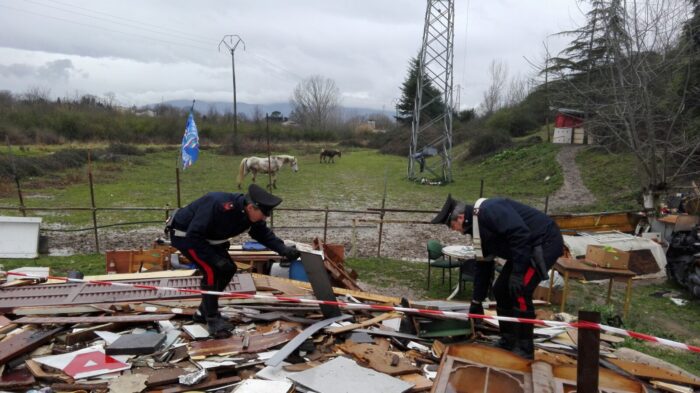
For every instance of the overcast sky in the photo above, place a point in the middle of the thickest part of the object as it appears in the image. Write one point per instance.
(148, 51)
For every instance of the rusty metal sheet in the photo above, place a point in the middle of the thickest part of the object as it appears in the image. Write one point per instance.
(256, 343)
(24, 342)
(83, 293)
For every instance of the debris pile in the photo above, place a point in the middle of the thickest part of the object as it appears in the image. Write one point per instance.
(84, 336)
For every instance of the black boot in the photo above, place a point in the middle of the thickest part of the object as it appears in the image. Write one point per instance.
(508, 331)
(219, 327)
(524, 345)
(200, 316)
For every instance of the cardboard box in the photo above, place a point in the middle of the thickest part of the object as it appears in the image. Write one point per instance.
(607, 257)
(541, 294)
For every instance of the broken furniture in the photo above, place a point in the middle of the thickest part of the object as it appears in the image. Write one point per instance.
(436, 259)
(252, 260)
(574, 268)
(133, 261)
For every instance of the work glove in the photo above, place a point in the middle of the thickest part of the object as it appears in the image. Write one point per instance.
(515, 285)
(291, 253)
(476, 308)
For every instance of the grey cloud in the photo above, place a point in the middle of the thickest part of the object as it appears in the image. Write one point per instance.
(51, 71)
(16, 70)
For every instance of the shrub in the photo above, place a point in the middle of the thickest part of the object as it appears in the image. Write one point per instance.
(487, 141)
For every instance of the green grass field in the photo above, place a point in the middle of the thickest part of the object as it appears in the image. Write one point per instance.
(356, 181)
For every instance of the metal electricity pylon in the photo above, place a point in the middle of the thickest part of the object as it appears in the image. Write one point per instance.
(431, 131)
(231, 46)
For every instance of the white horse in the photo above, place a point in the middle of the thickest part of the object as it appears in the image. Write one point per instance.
(263, 165)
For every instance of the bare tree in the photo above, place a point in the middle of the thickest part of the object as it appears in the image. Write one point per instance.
(518, 89)
(315, 102)
(36, 94)
(493, 96)
(631, 98)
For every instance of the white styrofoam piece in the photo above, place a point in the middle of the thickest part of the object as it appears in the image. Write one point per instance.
(19, 237)
(342, 375)
(262, 386)
(31, 270)
(196, 331)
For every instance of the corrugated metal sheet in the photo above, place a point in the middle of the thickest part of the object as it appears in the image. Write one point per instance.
(82, 293)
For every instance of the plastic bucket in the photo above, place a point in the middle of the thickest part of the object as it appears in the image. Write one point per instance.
(297, 272)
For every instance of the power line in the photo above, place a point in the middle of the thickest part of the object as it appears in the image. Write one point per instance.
(130, 24)
(103, 28)
(203, 39)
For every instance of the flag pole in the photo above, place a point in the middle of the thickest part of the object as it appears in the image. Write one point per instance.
(178, 162)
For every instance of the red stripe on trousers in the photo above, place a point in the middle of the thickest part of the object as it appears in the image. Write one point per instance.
(526, 280)
(204, 265)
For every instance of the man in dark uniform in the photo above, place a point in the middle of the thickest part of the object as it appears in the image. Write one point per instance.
(528, 239)
(201, 231)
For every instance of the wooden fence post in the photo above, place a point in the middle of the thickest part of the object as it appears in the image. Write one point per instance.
(325, 224)
(588, 354)
(92, 203)
(354, 238)
(481, 189)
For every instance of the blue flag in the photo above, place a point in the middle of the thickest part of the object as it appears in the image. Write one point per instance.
(190, 143)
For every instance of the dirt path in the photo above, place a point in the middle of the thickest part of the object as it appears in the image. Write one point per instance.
(573, 192)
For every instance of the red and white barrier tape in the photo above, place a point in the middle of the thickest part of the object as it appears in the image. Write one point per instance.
(362, 306)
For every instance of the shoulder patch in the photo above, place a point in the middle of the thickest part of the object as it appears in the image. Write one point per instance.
(227, 206)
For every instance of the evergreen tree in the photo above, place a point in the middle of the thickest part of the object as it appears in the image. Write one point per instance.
(408, 96)
(596, 44)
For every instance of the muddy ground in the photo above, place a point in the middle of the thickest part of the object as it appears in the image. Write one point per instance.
(399, 241)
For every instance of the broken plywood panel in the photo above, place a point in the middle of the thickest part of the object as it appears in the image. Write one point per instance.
(379, 359)
(342, 375)
(132, 383)
(419, 382)
(369, 322)
(256, 343)
(24, 342)
(654, 372)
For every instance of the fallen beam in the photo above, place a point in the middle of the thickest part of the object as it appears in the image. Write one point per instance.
(102, 319)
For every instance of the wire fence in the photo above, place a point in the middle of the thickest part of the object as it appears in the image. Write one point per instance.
(368, 218)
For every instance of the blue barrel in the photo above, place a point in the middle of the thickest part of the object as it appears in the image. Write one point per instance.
(297, 272)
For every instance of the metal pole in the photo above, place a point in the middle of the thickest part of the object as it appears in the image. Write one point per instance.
(177, 180)
(92, 203)
(269, 158)
(231, 46)
(325, 224)
(481, 189)
(588, 354)
(546, 204)
(235, 107)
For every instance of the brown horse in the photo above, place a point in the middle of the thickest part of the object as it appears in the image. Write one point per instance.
(328, 155)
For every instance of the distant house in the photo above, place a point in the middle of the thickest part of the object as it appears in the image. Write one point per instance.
(569, 128)
(145, 112)
(290, 123)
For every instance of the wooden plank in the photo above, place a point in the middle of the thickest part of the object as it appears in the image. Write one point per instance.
(274, 283)
(669, 387)
(363, 324)
(56, 310)
(420, 383)
(102, 319)
(38, 372)
(652, 372)
(342, 291)
(24, 342)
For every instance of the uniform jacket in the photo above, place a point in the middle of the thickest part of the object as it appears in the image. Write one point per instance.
(508, 230)
(219, 216)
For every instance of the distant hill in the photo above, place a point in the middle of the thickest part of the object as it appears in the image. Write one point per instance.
(248, 109)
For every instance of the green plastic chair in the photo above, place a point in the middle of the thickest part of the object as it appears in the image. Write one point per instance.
(437, 259)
